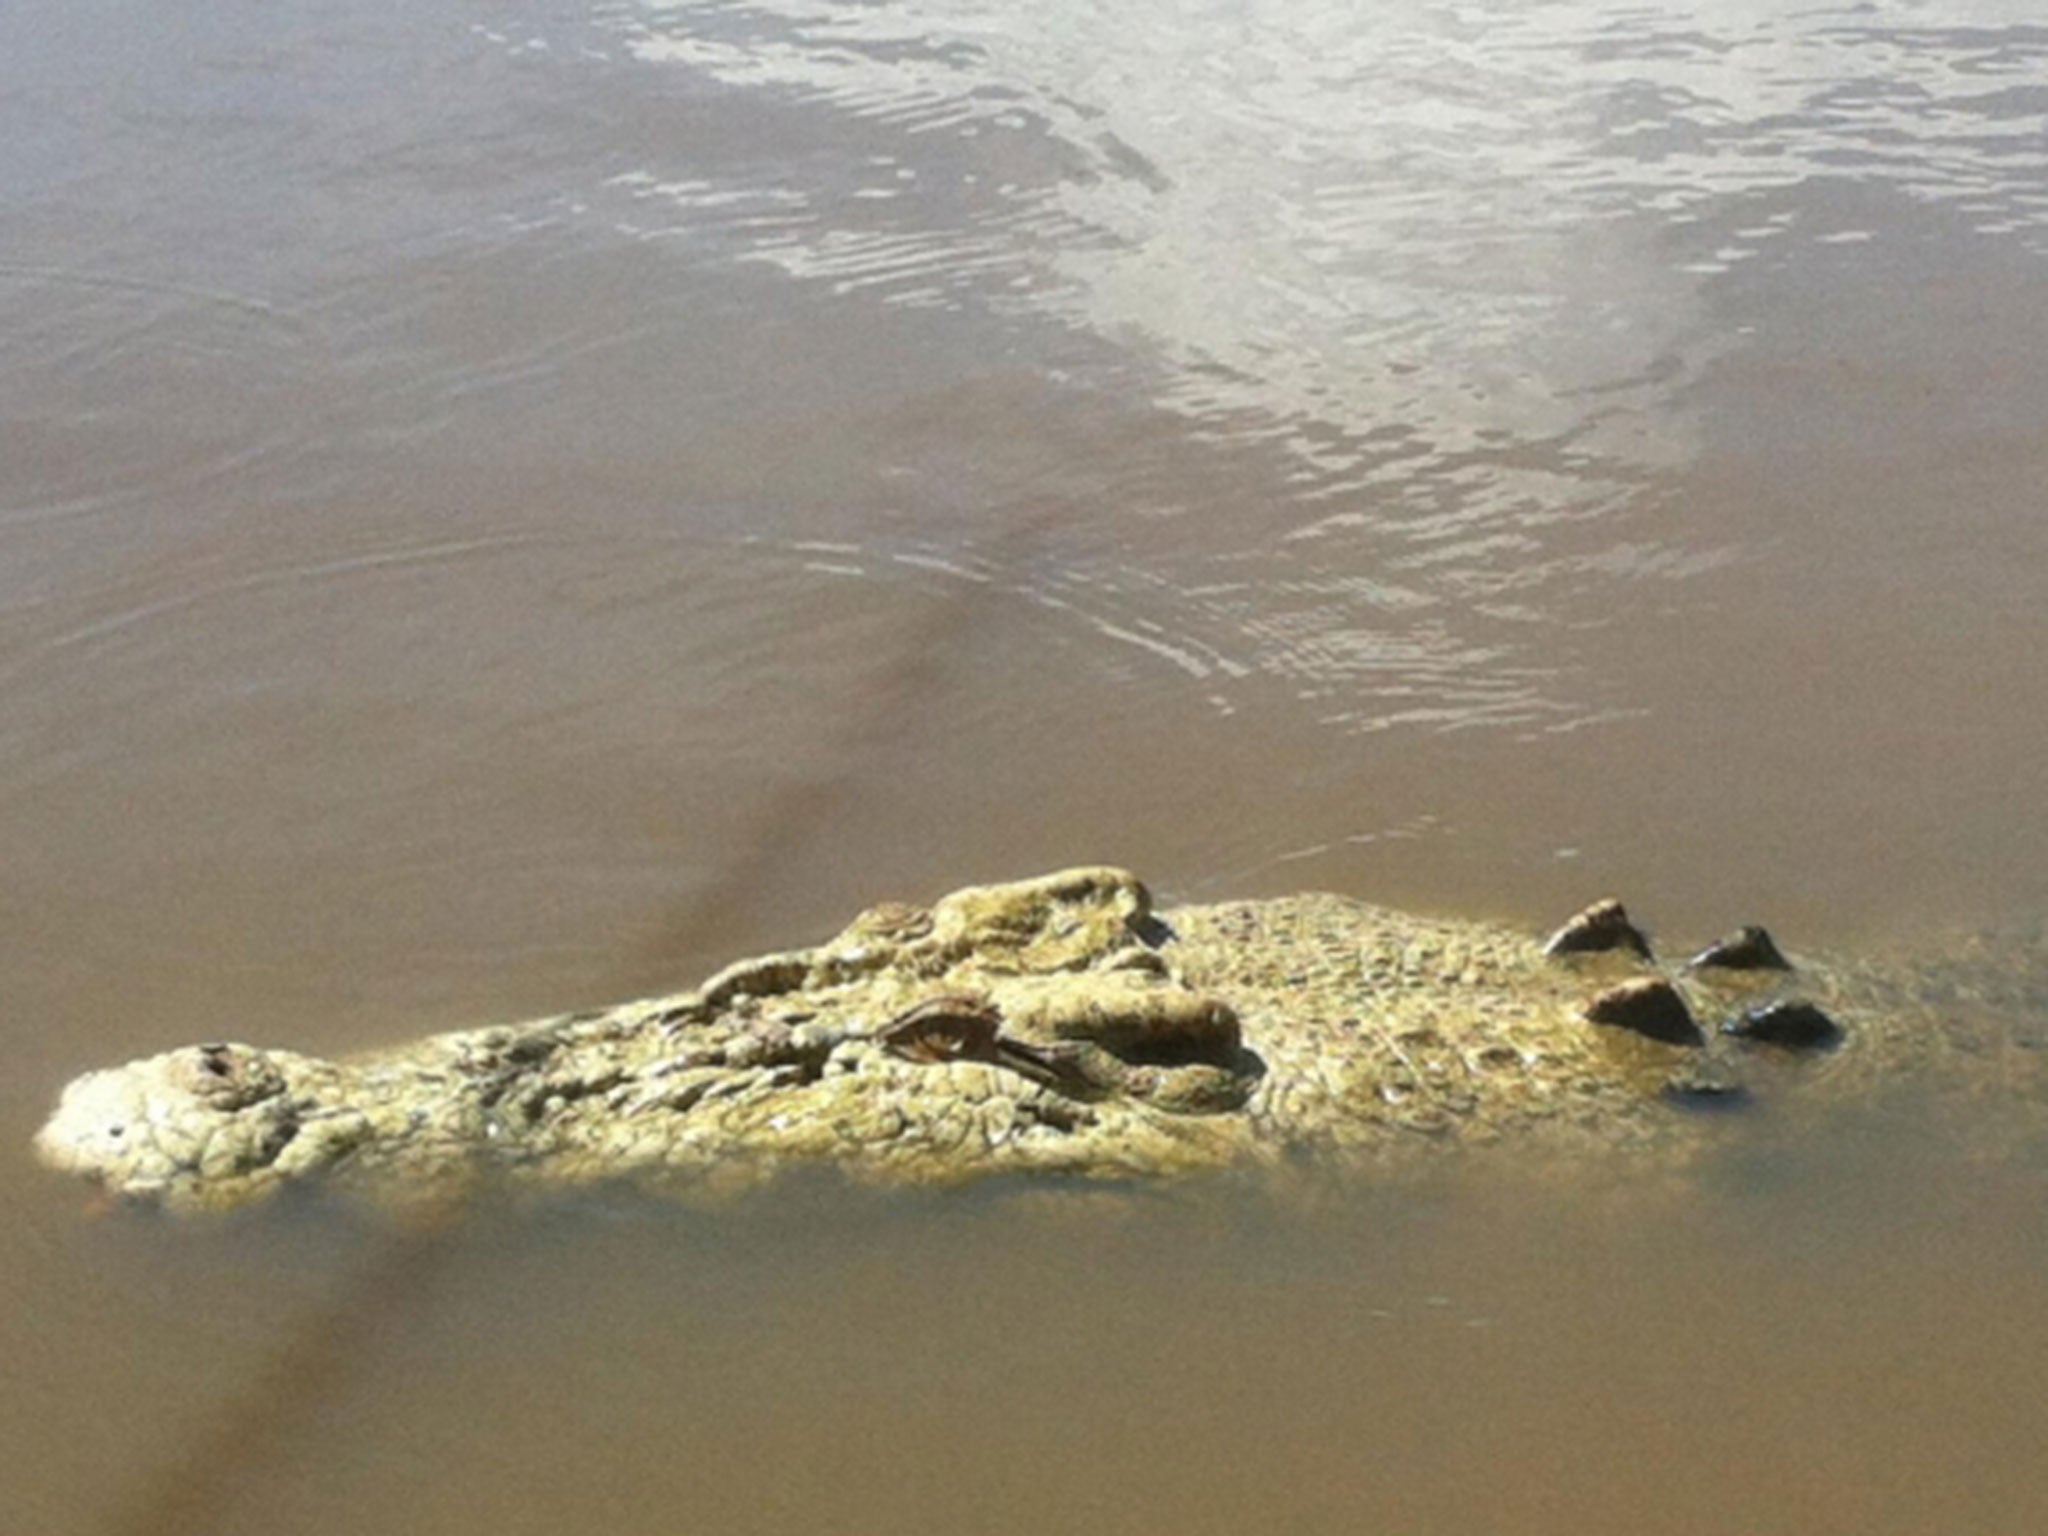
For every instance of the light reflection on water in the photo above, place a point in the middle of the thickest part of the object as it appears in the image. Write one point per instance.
(1454, 262)
(1456, 223)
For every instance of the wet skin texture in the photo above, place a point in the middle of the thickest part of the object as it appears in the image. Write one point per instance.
(1059, 1026)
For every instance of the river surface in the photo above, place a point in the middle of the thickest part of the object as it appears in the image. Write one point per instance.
(505, 507)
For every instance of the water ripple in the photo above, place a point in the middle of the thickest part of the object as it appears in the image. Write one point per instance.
(1456, 218)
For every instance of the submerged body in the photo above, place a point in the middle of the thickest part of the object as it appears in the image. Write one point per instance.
(1059, 1025)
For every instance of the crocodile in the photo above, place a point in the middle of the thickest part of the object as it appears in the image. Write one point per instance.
(1063, 1026)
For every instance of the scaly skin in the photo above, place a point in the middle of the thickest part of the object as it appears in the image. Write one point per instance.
(1050, 1026)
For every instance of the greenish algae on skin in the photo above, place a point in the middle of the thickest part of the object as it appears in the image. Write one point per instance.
(1051, 1026)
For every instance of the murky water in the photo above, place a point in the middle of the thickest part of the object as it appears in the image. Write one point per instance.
(502, 508)
(1859, 1351)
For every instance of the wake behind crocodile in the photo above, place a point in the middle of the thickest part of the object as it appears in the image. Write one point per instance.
(1060, 1026)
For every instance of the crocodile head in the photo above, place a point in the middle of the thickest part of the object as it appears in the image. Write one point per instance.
(206, 1112)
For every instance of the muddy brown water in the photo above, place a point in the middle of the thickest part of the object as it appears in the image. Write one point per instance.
(503, 508)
